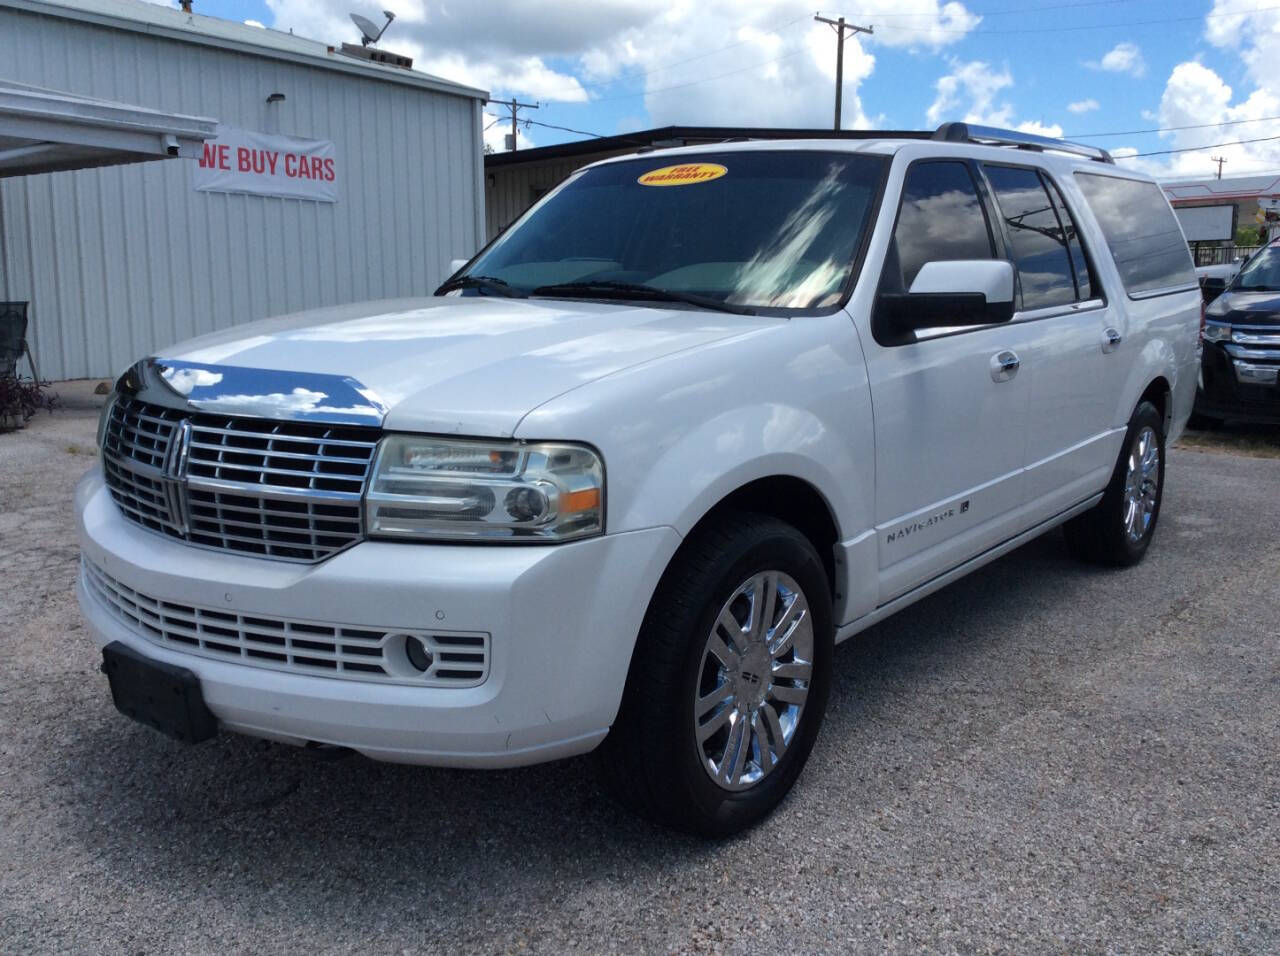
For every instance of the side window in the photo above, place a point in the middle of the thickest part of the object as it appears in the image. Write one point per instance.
(1079, 261)
(940, 218)
(1038, 241)
(1144, 237)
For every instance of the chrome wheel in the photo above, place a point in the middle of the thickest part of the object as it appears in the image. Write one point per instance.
(754, 679)
(1142, 484)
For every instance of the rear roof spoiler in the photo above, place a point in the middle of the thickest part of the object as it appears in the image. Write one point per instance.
(991, 135)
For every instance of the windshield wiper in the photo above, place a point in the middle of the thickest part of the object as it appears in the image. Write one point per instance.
(638, 290)
(488, 283)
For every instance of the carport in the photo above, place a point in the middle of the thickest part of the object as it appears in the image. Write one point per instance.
(45, 131)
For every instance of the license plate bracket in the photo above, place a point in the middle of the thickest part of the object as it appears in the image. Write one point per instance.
(163, 696)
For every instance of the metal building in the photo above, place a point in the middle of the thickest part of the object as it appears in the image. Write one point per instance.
(118, 262)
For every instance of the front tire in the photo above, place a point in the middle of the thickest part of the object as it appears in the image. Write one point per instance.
(729, 679)
(1118, 530)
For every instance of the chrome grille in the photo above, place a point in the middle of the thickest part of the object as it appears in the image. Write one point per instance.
(305, 647)
(288, 490)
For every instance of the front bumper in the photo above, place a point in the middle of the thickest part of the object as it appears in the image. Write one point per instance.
(562, 622)
(1226, 390)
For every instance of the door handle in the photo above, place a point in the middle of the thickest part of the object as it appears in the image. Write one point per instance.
(1111, 340)
(1004, 365)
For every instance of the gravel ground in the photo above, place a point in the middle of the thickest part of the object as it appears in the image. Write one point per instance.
(1042, 758)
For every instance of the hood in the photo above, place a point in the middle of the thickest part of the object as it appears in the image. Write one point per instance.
(1246, 308)
(472, 365)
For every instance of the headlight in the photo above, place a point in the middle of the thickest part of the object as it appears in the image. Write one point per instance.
(459, 489)
(1217, 332)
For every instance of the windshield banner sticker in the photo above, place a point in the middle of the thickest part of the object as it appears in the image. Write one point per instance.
(684, 175)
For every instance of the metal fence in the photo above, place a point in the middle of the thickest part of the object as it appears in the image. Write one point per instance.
(1221, 255)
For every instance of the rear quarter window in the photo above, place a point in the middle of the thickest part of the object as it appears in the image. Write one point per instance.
(1141, 231)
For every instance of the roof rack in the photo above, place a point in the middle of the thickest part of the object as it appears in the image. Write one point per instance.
(967, 133)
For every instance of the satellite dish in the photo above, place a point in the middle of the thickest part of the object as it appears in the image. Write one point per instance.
(370, 29)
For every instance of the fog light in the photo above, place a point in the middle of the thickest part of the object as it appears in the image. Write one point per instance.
(418, 654)
(1250, 374)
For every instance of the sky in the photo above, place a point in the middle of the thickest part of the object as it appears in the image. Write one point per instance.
(1128, 75)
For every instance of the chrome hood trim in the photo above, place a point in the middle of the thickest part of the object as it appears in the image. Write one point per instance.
(253, 392)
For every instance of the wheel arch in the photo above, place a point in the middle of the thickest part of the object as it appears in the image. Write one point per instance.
(796, 502)
(1160, 394)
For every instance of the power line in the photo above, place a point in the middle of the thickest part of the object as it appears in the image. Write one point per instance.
(1092, 26)
(566, 129)
(1007, 32)
(1170, 129)
(1009, 12)
(1193, 149)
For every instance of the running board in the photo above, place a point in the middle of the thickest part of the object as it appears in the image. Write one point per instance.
(846, 631)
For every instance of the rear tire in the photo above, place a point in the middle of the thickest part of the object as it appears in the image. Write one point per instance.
(1118, 530)
(729, 679)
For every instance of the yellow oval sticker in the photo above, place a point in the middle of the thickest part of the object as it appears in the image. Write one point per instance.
(684, 175)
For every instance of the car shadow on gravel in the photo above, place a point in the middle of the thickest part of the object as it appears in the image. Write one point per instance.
(274, 821)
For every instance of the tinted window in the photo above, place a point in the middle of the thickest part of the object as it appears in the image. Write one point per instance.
(941, 218)
(1079, 261)
(1142, 233)
(769, 228)
(1038, 242)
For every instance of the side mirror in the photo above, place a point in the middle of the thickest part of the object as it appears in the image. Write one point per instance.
(966, 292)
(456, 264)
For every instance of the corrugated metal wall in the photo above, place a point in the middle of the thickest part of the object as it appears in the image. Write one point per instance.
(122, 261)
(515, 188)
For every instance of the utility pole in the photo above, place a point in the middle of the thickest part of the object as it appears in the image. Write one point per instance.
(1219, 160)
(840, 27)
(515, 107)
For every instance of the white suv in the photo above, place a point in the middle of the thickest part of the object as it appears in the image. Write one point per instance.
(625, 480)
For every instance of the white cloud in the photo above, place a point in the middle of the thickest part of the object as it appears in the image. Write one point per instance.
(926, 23)
(969, 93)
(1083, 106)
(1121, 58)
(1195, 95)
(974, 92)
(715, 62)
(1040, 129)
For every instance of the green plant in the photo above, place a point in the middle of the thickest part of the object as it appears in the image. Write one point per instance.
(20, 399)
(1250, 236)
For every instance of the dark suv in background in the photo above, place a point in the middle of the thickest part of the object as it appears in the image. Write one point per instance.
(1240, 368)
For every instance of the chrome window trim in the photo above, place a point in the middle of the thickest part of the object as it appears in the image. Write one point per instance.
(1167, 290)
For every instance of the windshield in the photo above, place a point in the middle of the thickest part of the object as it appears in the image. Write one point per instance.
(1262, 272)
(769, 229)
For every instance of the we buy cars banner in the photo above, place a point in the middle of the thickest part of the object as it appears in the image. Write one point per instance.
(245, 161)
